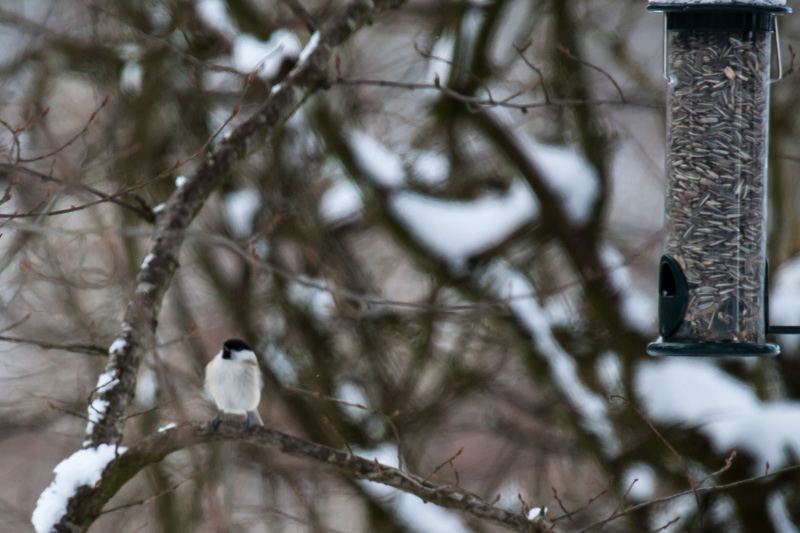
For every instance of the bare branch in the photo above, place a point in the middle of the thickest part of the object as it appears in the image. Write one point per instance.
(88, 349)
(157, 446)
(671, 449)
(592, 66)
(73, 139)
(113, 198)
(157, 270)
(302, 13)
(488, 102)
(181, 208)
(448, 461)
(690, 492)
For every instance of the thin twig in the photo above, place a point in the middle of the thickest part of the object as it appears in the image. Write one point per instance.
(388, 419)
(302, 13)
(100, 387)
(455, 66)
(570, 55)
(671, 449)
(336, 432)
(665, 526)
(89, 349)
(728, 464)
(73, 139)
(567, 514)
(445, 463)
(488, 102)
(53, 406)
(622, 501)
(537, 70)
(17, 323)
(147, 500)
(699, 490)
(588, 503)
(146, 214)
(525, 506)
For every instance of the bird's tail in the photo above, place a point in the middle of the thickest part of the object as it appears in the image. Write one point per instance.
(254, 418)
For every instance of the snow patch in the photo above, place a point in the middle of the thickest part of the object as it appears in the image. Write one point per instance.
(506, 283)
(456, 231)
(784, 301)
(569, 174)
(215, 14)
(415, 514)
(146, 388)
(147, 260)
(342, 200)
(535, 512)
(168, 426)
(646, 481)
(281, 365)
(159, 208)
(376, 161)
(431, 168)
(117, 346)
(130, 79)
(726, 410)
(308, 295)
(441, 55)
(239, 209)
(265, 58)
(83, 467)
(310, 47)
(105, 382)
(638, 310)
(778, 509)
(609, 372)
(353, 393)
(180, 181)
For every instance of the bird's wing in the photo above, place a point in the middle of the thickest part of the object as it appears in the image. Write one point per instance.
(252, 366)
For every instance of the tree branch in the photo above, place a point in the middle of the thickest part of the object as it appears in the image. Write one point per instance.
(88, 349)
(156, 272)
(157, 446)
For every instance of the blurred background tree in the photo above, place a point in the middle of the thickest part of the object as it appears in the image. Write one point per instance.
(460, 231)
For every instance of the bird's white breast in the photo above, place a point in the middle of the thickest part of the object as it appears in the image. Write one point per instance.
(234, 384)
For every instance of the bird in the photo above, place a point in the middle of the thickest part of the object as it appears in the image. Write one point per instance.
(234, 380)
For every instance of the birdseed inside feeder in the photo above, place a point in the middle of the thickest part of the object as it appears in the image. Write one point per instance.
(712, 283)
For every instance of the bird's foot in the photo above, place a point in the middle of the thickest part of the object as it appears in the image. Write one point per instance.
(216, 421)
(248, 423)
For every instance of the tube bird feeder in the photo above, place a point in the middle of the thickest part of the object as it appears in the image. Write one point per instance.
(713, 275)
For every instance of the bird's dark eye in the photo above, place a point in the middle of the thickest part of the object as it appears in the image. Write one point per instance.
(226, 353)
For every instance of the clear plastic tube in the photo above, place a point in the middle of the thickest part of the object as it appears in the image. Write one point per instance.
(717, 112)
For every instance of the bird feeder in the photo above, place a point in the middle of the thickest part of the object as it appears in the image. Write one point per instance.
(713, 276)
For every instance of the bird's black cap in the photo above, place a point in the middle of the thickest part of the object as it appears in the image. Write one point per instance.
(236, 345)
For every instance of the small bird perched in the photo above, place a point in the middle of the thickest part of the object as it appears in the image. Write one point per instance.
(234, 381)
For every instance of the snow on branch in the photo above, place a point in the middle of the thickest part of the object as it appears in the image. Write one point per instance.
(83, 467)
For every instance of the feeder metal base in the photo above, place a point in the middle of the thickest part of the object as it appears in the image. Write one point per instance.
(712, 349)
